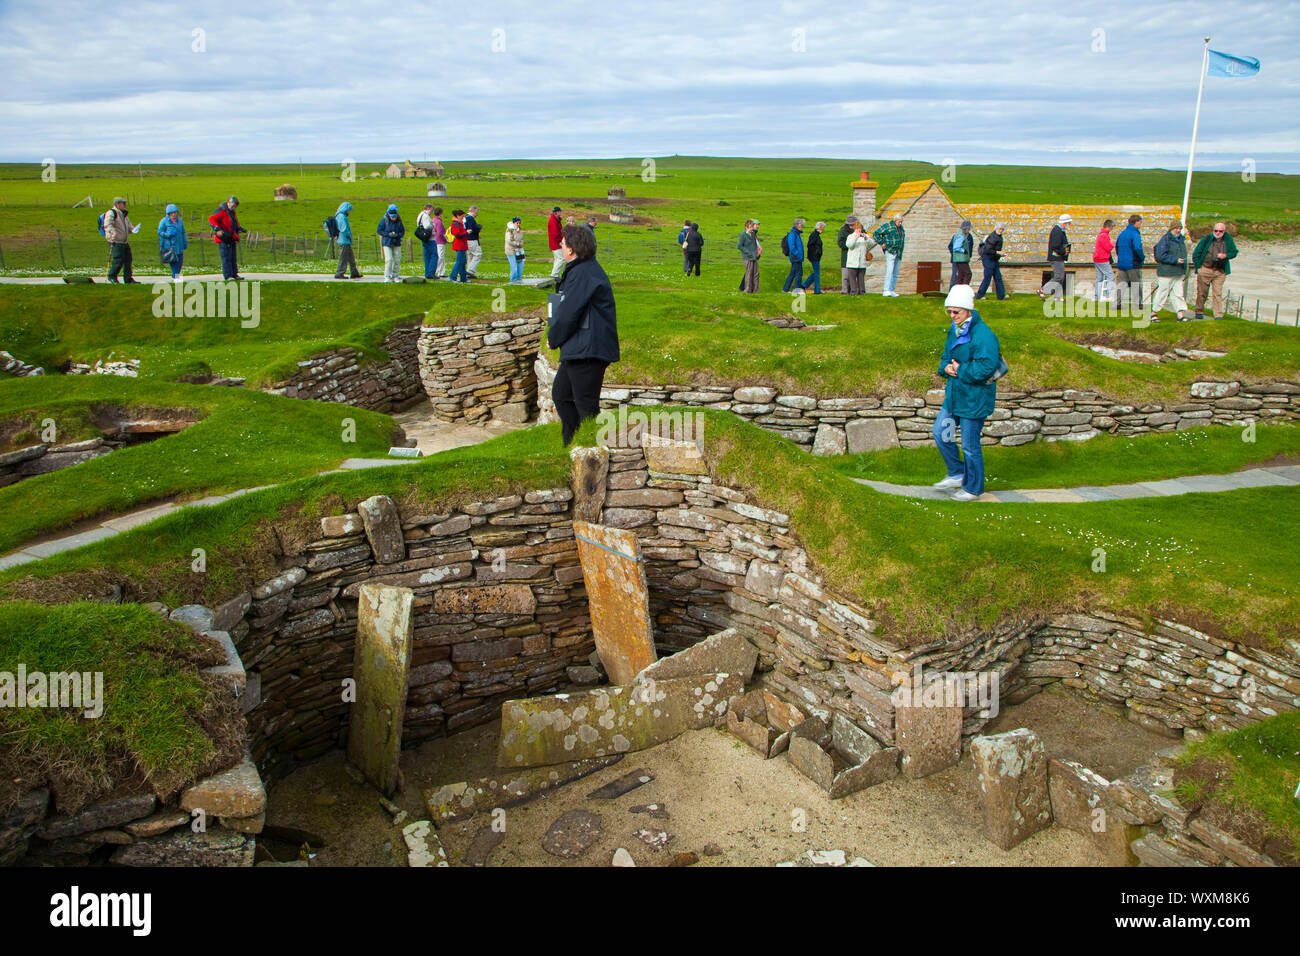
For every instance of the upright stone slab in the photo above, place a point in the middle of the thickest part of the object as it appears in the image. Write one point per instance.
(1081, 802)
(610, 720)
(380, 666)
(614, 574)
(590, 480)
(1012, 772)
(929, 737)
(669, 457)
(383, 529)
(727, 651)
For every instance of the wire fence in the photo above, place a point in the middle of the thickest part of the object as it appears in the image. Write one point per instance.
(1254, 309)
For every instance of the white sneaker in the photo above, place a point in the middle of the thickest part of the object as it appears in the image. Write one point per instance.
(949, 482)
(963, 495)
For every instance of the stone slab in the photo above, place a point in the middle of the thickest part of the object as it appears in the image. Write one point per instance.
(1012, 773)
(383, 528)
(100, 816)
(725, 652)
(237, 792)
(673, 457)
(183, 847)
(616, 719)
(764, 721)
(929, 737)
(624, 784)
(572, 834)
(459, 801)
(871, 434)
(515, 599)
(614, 574)
(381, 667)
(1081, 802)
(423, 848)
(852, 761)
(590, 482)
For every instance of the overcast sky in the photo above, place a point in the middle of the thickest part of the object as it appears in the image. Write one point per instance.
(1084, 83)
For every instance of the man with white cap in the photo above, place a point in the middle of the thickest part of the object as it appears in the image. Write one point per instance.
(1058, 250)
(971, 364)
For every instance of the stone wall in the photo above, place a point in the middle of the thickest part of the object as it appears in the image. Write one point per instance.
(831, 426)
(342, 376)
(472, 371)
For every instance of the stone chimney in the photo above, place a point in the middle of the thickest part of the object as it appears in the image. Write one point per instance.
(864, 200)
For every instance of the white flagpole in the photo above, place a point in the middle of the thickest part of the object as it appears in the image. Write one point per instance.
(1191, 156)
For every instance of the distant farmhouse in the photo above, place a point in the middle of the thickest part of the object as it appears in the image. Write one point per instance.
(930, 219)
(410, 170)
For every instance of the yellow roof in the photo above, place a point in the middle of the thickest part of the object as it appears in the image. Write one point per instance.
(906, 195)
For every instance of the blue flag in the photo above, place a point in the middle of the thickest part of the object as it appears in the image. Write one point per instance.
(1225, 64)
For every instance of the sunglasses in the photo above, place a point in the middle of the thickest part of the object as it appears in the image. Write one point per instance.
(1217, 231)
(954, 311)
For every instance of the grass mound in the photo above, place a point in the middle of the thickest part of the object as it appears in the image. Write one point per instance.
(1245, 782)
(163, 723)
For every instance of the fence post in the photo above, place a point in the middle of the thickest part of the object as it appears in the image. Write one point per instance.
(2, 259)
(62, 260)
(273, 260)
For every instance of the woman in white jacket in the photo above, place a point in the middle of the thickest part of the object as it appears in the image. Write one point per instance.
(858, 243)
(515, 249)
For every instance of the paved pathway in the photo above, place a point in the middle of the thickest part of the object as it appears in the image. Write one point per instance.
(1246, 478)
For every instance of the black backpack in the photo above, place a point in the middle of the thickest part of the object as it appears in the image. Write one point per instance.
(785, 244)
(332, 227)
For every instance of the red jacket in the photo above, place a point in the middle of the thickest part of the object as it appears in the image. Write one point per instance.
(226, 221)
(458, 232)
(554, 232)
(1105, 246)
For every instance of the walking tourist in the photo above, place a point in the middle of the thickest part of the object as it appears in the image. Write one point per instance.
(814, 246)
(515, 249)
(347, 257)
(1104, 262)
(792, 246)
(474, 251)
(750, 250)
(117, 230)
(891, 237)
(694, 248)
(1058, 250)
(225, 233)
(554, 239)
(424, 232)
(960, 248)
(171, 239)
(391, 231)
(1171, 270)
(990, 253)
(1128, 264)
(459, 245)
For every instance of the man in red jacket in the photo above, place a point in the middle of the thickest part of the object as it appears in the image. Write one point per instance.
(554, 235)
(225, 233)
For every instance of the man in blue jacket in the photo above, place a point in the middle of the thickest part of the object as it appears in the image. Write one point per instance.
(971, 359)
(794, 243)
(1128, 264)
(583, 325)
(347, 259)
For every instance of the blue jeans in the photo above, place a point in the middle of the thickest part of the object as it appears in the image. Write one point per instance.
(970, 471)
(796, 275)
(229, 260)
(891, 271)
(516, 268)
(459, 268)
(430, 257)
(992, 272)
(177, 263)
(815, 280)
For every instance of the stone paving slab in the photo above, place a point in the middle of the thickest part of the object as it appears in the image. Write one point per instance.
(15, 559)
(127, 522)
(47, 548)
(1010, 497)
(1257, 478)
(1053, 496)
(1093, 493)
(1290, 472)
(1166, 487)
(354, 464)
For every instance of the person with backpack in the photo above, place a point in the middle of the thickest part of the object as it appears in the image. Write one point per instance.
(694, 248)
(891, 237)
(391, 231)
(960, 247)
(342, 232)
(171, 240)
(116, 227)
(681, 241)
(225, 233)
(515, 249)
(841, 240)
(793, 248)
(990, 253)
(424, 232)
(1058, 250)
(1171, 269)
(459, 245)
(971, 364)
(1104, 263)
(474, 250)
(814, 253)
(440, 241)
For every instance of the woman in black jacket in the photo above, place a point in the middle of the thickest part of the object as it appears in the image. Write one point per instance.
(583, 326)
(694, 248)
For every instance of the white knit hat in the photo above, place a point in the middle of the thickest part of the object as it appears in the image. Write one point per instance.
(960, 297)
(1064, 217)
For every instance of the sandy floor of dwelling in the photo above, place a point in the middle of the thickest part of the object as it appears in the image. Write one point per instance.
(718, 791)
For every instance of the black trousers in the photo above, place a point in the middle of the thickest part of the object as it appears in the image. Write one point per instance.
(576, 393)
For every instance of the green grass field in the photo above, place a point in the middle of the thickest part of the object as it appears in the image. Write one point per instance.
(718, 193)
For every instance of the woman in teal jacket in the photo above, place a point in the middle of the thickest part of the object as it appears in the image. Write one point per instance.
(971, 359)
(171, 239)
